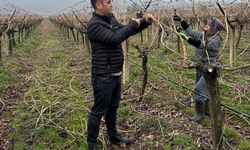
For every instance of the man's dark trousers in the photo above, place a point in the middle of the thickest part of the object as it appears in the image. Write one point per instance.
(107, 95)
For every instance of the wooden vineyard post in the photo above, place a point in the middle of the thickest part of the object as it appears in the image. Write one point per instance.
(13, 39)
(68, 32)
(232, 47)
(87, 44)
(10, 44)
(19, 36)
(26, 32)
(22, 34)
(82, 37)
(126, 62)
(159, 37)
(232, 19)
(77, 37)
(73, 34)
(216, 116)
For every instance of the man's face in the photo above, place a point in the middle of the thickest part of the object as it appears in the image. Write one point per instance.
(105, 7)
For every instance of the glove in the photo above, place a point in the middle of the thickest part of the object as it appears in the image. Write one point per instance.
(184, 36)
(177, 18)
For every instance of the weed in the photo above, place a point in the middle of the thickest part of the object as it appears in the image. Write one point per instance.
(5, 80)
(189, 111)
(244, 144)
(150, 123)
(231, 133)
(185, 141)
(126, 111)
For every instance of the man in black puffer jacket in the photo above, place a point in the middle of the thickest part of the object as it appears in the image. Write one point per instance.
(106, 35)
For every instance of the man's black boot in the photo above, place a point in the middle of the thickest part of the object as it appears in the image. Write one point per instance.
(200, 112)
(93, 131)
(92, 146)
(117, 139)
(207, 110)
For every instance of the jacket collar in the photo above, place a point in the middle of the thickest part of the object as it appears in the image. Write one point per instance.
(104, 18)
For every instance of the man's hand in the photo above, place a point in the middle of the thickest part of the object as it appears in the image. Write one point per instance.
(184, 36)
(150, 18)
(177, 18)
(138, 20)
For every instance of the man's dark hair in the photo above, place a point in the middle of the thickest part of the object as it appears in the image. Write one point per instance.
(93, 3)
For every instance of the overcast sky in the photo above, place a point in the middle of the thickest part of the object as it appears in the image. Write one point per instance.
(44, 7)
(50, 7)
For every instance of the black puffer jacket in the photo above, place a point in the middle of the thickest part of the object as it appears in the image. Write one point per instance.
(106, 35)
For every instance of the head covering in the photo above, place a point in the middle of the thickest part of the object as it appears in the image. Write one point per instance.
(216, 24)
(93, 2)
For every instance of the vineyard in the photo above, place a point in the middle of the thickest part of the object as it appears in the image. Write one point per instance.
(45, 78)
